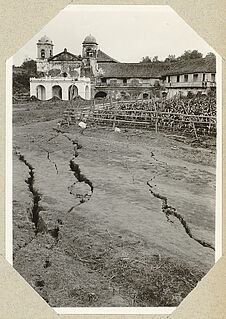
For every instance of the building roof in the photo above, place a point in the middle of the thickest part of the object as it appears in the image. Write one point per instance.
(90, 39)
(45, 40)
(129, 70)
(103, 57)
(65, 56)
(191, 66)
(156, 69)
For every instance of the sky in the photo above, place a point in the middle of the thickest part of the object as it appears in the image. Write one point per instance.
(126, 33)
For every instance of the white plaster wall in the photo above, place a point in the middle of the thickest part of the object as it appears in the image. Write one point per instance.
(199, 77)
(209, 77)
(190, 77)
(33, 88)
(173, 78)
(84, 87)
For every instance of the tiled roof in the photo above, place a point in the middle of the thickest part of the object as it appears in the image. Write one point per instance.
(191, 66)
(157, 69)
(129, 70)
(103, 57)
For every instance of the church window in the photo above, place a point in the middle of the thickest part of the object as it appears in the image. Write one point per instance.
(89, 52)
(124, 81)
(43, 54)
(51, 53)
(103, 80)
(178, 78)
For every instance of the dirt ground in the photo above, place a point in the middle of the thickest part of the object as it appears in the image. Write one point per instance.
(87, 229)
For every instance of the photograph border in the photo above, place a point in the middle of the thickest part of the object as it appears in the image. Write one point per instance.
(9, 167)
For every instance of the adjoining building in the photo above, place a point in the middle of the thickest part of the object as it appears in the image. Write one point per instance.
(198, 76)
(94, 74)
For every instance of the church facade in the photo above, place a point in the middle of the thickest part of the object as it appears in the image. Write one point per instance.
(94, 74)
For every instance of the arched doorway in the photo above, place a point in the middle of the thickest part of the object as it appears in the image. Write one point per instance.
(72, 92)
(87, 95)
(57, 91)
(100, 95)
(41, 92)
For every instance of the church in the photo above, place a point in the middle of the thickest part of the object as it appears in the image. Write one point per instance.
(94, 74)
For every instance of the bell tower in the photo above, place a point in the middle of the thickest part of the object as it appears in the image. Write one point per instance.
(44, 48)
(89, 56)
(44, 52)
(89, 47)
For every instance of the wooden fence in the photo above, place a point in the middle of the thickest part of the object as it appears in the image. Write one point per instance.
(121, 115)
(154, 120)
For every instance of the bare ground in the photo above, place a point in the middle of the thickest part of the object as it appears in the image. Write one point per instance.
(113, 245)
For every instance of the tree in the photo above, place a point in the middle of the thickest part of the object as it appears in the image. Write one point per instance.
(29, 65)
(170, 58)
(22, 75)
(210, 55)
(155, 59)
(188, 55)
(146, 59)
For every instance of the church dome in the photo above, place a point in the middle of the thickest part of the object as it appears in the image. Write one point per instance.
(90, 39)
(45, 39)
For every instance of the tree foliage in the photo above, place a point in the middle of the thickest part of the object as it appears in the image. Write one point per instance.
(189, 55)
(29, 65)
(22, 74)
(210, 55)
(170, 58)
(146, 59)
(186, 56)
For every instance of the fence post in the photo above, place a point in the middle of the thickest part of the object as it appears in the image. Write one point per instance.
(209, 128)
(110, 101)
(115, 113)
(156, 123)
(156, 119)
(193, 124)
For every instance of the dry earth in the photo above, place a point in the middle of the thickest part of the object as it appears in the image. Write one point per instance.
(87, 229)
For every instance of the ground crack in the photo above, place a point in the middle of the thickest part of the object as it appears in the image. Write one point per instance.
(48, 157)
(81, 178)
(36, 196)
(169, 210)
(40, 225)
(68, 137)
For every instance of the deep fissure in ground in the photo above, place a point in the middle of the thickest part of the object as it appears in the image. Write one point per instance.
(40, 225)
(36, 196)
(80, 177)
(170, 210)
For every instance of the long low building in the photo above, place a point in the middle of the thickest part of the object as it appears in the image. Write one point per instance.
(198, 76)
(94, 74)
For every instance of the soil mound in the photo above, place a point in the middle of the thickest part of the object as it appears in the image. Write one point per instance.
(55, 99)
(33, 99)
